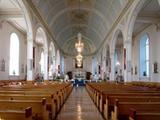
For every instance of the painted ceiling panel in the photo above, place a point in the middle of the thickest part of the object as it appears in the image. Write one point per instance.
(55, 10)
(93, 18)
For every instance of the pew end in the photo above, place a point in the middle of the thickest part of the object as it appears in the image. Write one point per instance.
(132, 115)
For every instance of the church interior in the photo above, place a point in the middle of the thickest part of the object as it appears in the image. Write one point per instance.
(79, 60)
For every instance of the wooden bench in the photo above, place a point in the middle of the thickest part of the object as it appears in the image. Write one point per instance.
(38, 107)
(134, 115)
(54, 95)
(104, 95)
(122, 109)
(25, 114)
(109, 105)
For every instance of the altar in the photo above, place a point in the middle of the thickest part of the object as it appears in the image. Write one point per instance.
(79, 77)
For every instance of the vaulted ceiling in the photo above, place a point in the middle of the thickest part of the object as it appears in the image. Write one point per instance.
(12, 13)
(93, 18)
(148, 15)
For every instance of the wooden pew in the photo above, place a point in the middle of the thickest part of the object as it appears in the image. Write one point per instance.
(101, 92)
(109, 106)
(101, 98)
(134, 115)
(38, 107)
(25, 114)
(54, 101)
(55, 95)
(49, 100)
(122, 109)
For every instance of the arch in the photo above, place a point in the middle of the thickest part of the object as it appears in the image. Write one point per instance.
(28, 19)
(133, 16)
(114, 39)
(41, 38)
(135, 10)
(52, 49)
(52, 60)
(14, 54)
(113, 55)
(41, 41)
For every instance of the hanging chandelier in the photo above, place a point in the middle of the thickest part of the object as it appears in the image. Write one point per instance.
(79, 63)
(79, 57)
(79, 45)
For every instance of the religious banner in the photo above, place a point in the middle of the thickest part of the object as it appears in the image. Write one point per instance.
(99, 69)
(124, 58)
(34, 52)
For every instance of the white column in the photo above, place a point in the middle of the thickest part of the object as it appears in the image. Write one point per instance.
(112, 66)
(159, 2)
(29, 58)
(127, 71)
(45, 65)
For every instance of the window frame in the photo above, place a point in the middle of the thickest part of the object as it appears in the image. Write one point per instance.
(147, 57)
(10, 56)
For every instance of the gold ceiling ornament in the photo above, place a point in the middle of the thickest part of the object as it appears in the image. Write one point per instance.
(79, 45)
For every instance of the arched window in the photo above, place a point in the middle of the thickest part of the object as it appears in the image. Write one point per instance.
(144, 56)
(14, 55)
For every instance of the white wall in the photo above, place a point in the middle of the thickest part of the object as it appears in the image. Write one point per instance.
(87, 64)
(154, 36)
(5, 30)
(69, 64)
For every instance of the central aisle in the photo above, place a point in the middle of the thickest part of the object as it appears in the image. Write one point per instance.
(79, 106)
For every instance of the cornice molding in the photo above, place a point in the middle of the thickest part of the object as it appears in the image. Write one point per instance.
(43, 21)
(17, 27)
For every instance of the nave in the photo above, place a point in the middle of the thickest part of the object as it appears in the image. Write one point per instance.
(79, 106)
(48, 45)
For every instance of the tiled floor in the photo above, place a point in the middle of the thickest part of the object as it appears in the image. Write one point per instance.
(79, 106)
